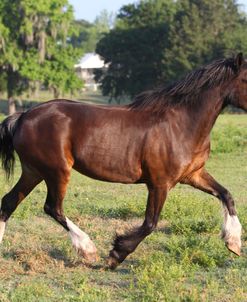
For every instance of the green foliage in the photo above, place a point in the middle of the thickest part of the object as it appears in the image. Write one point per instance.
(3, 81)
(87, 35)
(134, 48)
(81, 36)
(201, 33)
(58, 72)
(34, 46)
(158, 41)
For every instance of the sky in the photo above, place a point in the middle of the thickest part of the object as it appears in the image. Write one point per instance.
(89, 9)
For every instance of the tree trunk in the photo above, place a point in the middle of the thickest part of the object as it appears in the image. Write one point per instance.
(11, 84)
(35, 88)
(56, 93)
(11, 105)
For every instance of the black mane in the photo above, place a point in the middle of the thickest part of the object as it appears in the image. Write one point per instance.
(187, 90)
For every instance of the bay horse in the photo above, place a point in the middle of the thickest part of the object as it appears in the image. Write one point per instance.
(161, 139)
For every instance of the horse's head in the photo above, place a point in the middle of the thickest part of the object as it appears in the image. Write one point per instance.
(239, 89)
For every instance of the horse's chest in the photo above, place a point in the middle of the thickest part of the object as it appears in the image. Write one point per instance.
(197, 161)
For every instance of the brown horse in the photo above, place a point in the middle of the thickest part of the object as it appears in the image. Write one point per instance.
(161, 139)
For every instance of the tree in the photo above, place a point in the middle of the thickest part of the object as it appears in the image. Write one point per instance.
(33, 36)
(58, 71)
(134, 48)
(157, 41)
(201, 33)
(88, 34)
(81, 36)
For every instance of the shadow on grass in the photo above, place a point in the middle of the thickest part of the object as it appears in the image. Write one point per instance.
(120, 269)
(167, 230)
(35, 261)
(125, 211)
(15, 256)
(59, 255)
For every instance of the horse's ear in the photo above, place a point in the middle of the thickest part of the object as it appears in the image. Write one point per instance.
(239, 60)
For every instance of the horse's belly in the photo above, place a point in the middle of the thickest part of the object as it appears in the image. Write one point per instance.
(108, 167)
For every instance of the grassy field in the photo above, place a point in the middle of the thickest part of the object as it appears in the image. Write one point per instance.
(183, 260)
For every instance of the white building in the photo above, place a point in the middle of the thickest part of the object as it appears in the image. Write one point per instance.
(85, 69)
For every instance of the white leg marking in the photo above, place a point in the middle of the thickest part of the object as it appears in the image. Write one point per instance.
(2, 229)
(232, 230)
(80, 240)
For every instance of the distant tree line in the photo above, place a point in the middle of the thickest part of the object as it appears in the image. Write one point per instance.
(40, 42)
(149, 43)
(155, 42)
(88, 34)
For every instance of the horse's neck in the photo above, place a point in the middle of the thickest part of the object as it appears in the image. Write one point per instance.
(204, 114)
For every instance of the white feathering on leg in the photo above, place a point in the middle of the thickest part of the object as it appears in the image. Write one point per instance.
(2, 229)
(80, 240)
(232, 230)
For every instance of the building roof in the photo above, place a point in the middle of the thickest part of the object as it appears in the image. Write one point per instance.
(90, 61)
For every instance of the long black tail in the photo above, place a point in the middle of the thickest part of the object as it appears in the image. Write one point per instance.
(7, 131)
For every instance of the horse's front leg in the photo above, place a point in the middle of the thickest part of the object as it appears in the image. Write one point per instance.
(127, 243)
(231, 232)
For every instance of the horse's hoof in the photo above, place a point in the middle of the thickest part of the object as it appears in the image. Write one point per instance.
(112, 263)
(91, 257)
(234, 248)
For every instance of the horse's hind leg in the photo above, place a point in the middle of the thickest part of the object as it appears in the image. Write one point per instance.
(126, 244)
(10, 201)
(57, 185)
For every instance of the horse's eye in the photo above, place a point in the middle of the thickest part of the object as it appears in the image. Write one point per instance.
(244, 81)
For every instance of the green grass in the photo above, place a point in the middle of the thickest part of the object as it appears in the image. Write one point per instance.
(183, 260)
